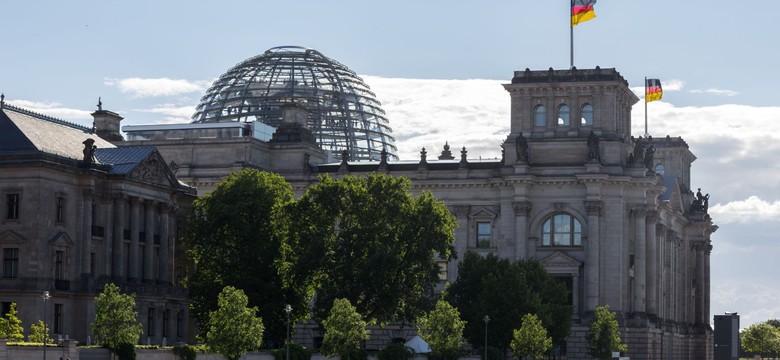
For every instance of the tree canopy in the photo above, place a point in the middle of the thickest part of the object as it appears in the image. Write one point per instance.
(235, 237)
(761, 338)
(345, 330)
(603, 336)
(531, 339)
(10, 326)
(116, 321)
(367, 239)
(442, 329)
(506, 291)
(234, 328)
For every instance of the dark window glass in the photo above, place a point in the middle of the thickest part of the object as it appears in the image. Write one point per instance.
(561, 230)
(563, 115)
(10, 262)
(150, 323)
(12, 206)
(60, 211)
(166, 319)
(587, 114)
(57, 319)
(58, 270)
(540, 115)
(483, 234)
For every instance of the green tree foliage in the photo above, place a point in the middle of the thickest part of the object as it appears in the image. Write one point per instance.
(774, 322)
(38, 331)
(603, 337)
(442, 329)
(345, 329)
(234, 328)
(116, 321)
(10, 326)
(531, 339)
(367, 239)
(236, 238)
(506, 291)
(761, 338)
(396, 351)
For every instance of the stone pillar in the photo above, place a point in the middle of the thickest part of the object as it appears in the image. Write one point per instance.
(149, 227)
(133, 266)
(575, 294)
(522, 209)
(708, 252)
(86, 232)
(640, 263)
(461, 213)
(165, 263)
(652, 263)
(108, 236)
(700, 275)
(592, 256)
(119, 236)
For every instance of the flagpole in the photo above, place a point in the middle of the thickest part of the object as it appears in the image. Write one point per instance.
(571, 36)
(646, 106)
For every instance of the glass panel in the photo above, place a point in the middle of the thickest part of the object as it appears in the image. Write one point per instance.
(563, 115)
(483, 234)
(540, 115)
(587, 114)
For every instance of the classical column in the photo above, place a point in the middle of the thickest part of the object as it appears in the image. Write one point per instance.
(593, 209)
(119, 236)
(708, 252)
(652, 262)
(700, 247)
(165, 263)
(135, 216)
(640, 263)
(149, 227)
(461, 213)
(86, 231)
(575, 294)
(108, 235)
(522, 209)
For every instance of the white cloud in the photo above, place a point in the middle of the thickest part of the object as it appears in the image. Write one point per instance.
(54, 109)
(173, 113)
(140, 88)
(752, 209)
(719, 92)
(753, 301)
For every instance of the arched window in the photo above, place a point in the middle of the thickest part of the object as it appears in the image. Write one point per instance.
(660, 169)
(587, 114)
(561, 230)
(540, 115)
(563, 115)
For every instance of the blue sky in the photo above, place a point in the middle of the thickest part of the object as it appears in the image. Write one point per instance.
(437, 67)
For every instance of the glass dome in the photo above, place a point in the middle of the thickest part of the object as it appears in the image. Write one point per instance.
(342, 112)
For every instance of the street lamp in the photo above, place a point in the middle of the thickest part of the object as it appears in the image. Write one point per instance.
(288, 309)
(45, 298)
(487, 320)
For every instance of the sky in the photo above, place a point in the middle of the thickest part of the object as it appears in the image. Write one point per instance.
(437, 67)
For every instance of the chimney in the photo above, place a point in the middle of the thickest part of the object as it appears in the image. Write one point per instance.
(106, 124)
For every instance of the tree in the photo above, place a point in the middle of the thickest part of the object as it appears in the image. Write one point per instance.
(442, 329)
(38, 331)
(531, 339)
(345, 329)
(116, 321)
(234, 328)
(603, 337)
(10, 326)
(236, 237)
(506, 291)
(761, 338)
(367, 239)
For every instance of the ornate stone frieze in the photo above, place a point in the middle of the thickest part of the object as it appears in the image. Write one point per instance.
(151, 170)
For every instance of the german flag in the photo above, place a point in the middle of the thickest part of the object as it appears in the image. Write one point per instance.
(653, 90)
(582, 11)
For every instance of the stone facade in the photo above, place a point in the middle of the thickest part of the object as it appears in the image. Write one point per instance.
(78, 213)
(610, 215)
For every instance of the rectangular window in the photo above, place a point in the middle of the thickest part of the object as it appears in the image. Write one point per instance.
(180, 323)
(442, 270)
(483, 234)
(10, 262)
(57, 319)
(166, 319)
(150, 323)
(58, 269)
(12, 206)
(59, 213)
(92, 263)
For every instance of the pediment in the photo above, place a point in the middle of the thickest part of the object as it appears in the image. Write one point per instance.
(11, 237)
(559, 262)
(61, 239)
(153, 170)
(483, 212)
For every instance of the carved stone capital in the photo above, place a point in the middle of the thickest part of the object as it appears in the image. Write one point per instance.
(638, 210)
(89, 194)
(522, 208)
(653, 216)
(661, 228)
(593, 207)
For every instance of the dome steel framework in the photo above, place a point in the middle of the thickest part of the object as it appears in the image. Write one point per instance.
(342, 112)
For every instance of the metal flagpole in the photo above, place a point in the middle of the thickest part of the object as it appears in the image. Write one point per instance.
(571, 36)
(646, 106)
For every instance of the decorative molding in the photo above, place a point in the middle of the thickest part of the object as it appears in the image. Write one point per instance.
(594, 207)
(559, 262)
(151, 170)
(522, 208)
(559, 206)
(460, 211)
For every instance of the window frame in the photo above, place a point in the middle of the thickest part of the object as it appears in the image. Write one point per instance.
(58, 314)
(540, 115)
(560, 119)
(13, 208)
(11, 263)
(551, 230)
(60, 202)
(584, 121)
(483, 240)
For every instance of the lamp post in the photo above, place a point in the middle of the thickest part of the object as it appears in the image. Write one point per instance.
(288, 309)
(45, 298)
(487, 320)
